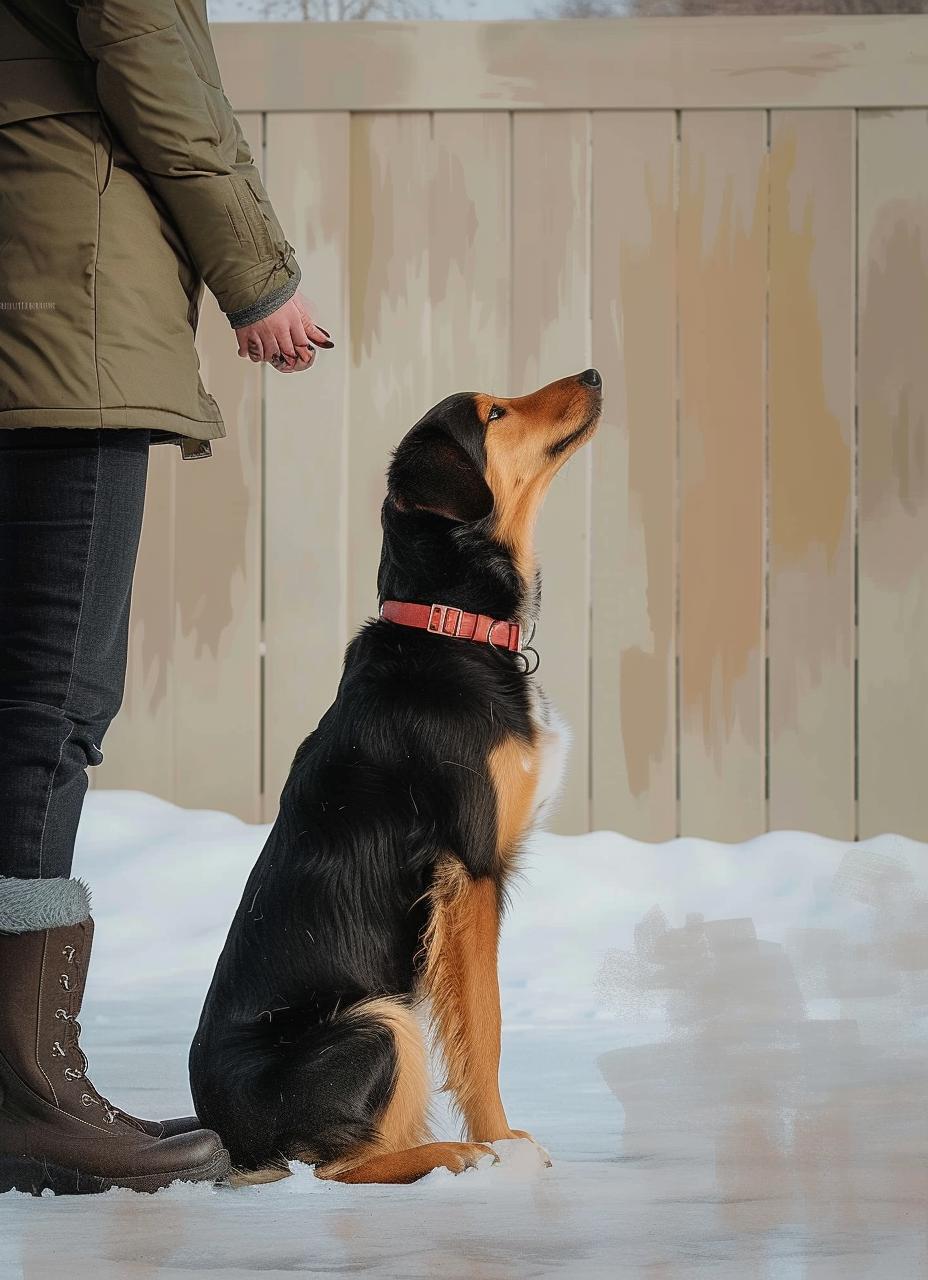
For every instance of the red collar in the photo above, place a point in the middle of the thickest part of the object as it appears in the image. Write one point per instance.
(445, 620)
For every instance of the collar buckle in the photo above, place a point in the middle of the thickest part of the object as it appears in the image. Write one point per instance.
(445, 620)
(514, 633)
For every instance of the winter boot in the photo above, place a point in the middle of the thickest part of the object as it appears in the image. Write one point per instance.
(56, 1131)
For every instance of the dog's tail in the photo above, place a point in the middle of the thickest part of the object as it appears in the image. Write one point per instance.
(258, 1177)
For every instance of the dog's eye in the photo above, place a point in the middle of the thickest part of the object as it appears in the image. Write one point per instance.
(495, 412)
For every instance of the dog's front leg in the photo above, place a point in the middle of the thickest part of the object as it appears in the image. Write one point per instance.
(462, 982)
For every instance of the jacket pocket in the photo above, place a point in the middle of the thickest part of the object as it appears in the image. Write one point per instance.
(104, 141)
(250, 212)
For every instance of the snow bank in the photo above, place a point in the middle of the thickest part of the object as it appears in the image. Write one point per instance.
(166, 882)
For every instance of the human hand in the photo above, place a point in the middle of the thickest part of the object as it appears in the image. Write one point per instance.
(286, 339)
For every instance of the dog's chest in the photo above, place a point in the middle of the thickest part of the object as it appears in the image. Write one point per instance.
(553, 736)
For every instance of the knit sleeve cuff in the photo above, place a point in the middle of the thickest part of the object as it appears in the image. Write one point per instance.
(267, 305)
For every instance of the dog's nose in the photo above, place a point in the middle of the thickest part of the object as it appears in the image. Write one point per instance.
(591, 378)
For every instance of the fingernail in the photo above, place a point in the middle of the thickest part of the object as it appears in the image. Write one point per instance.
(325, 331)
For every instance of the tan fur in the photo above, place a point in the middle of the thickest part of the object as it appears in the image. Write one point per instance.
(405, 1122)
(518, 489)
(461, 982)
(519, 467)
(409, 1166)
(514, 768)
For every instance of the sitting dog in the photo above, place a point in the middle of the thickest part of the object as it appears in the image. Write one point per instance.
(383, 880)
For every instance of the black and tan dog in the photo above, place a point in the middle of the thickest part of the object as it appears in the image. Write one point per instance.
(383, 880)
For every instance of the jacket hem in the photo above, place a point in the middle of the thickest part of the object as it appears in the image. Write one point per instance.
(117, 417)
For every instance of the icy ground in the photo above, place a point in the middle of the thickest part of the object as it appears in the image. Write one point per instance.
(724, 1049)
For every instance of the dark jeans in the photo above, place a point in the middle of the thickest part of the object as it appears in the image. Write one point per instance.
(70, 515)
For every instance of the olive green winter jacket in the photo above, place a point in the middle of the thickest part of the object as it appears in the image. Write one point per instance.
(125, 183)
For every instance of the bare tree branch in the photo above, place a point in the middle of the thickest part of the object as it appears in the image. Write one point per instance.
(722, 8)
(770, 8)
(340, 10)
(583, 9)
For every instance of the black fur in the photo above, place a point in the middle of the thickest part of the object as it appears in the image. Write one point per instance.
(393, 777)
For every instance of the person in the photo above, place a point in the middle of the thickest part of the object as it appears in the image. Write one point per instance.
(126, 186)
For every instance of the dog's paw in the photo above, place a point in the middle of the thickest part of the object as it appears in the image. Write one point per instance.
(458, 1156)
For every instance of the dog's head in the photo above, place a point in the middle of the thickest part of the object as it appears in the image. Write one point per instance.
(485, 462)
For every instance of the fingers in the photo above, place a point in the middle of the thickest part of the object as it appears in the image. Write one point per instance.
(286, 340)
(294, 356)
(314, 332)
(304, 358)
(321, 337)
(305, 353)
(250, 346)
(295, 351)
(285, 348)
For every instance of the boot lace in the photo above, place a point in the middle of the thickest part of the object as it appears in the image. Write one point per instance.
(72, 1041)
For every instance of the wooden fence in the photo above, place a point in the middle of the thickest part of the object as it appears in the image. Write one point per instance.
(730, 219)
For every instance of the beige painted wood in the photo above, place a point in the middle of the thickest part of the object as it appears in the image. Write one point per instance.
(723, 265)
(138, 749)
(550, 338)
(217, 583)
(625, 63)
(469, 252)
(390, 375)
(306, 448)
(461, 248)
(811, 466)
(893, 463)
(633, 764)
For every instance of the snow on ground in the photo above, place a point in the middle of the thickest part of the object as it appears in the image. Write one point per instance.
(722, 1046)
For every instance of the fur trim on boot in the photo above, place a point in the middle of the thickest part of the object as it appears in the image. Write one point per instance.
(27, 906)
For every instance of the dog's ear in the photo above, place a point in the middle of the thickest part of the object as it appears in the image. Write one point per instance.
(431, 472)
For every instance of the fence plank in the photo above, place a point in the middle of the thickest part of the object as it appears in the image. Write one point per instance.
(550, 338)
(723, 262)
(893, 472)
(811, 425)
(139, 747)
(306, 449)
(217, 584)
(634, 463)
(722, 61)
(391, 382)
(469, 260)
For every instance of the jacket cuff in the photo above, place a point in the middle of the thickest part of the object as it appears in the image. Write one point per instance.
(267, 305)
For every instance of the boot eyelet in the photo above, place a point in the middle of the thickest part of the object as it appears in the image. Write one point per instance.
(110, 1116)
(57, 1051)
(87, 1101)
(65, 981)
(62, 1015)
(68, 952)
(71, 1074)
